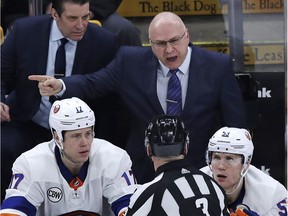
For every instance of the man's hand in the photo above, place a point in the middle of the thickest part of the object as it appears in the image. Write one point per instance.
(47, 85)
(5, 115)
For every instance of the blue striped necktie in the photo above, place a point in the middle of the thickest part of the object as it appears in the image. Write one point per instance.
(174, 95)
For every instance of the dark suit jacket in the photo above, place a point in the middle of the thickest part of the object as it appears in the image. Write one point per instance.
(212, 90)
(25, 52)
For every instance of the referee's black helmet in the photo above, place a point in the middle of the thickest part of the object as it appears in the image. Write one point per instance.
(166, 136)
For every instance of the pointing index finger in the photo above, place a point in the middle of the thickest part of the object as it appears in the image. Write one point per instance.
(39, 78)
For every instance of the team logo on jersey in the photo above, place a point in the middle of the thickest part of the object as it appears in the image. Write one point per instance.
(76, 183)
(56, 108)
(54, 194)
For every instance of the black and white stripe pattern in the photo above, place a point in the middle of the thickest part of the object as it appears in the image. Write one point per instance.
(182, 191)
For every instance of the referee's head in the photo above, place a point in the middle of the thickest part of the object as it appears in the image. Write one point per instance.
(166, 136)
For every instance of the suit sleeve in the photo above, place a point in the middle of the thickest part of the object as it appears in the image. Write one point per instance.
(96, 84)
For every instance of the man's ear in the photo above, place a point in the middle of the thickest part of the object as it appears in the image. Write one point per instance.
(55, 136)
(185, 150)
(245, 168)
(186, 146)
(148, 149)
(54, 14)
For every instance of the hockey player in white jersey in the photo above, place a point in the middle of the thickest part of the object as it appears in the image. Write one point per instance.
(249, 190)
(71, 174)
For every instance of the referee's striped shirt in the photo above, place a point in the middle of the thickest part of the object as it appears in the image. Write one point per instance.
(179, 189)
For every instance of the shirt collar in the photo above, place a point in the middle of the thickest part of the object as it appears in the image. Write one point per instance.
(184, 67)
(172, 165)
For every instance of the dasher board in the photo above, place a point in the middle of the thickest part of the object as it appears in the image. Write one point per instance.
(254, 54)
(146, 8)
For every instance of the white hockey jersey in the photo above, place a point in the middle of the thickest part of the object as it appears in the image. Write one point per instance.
(263, 194)
(40, 182)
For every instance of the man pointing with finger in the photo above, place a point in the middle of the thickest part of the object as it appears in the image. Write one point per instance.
(171, 76)
(31, 48)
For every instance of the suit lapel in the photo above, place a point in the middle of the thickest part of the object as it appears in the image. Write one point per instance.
(195, 68)
(151, 82)
(80, 55)
(43, 44)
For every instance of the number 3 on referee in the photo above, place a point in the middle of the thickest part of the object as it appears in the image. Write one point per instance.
(202, 203)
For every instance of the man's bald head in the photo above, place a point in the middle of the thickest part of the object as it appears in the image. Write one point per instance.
(163, 21)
